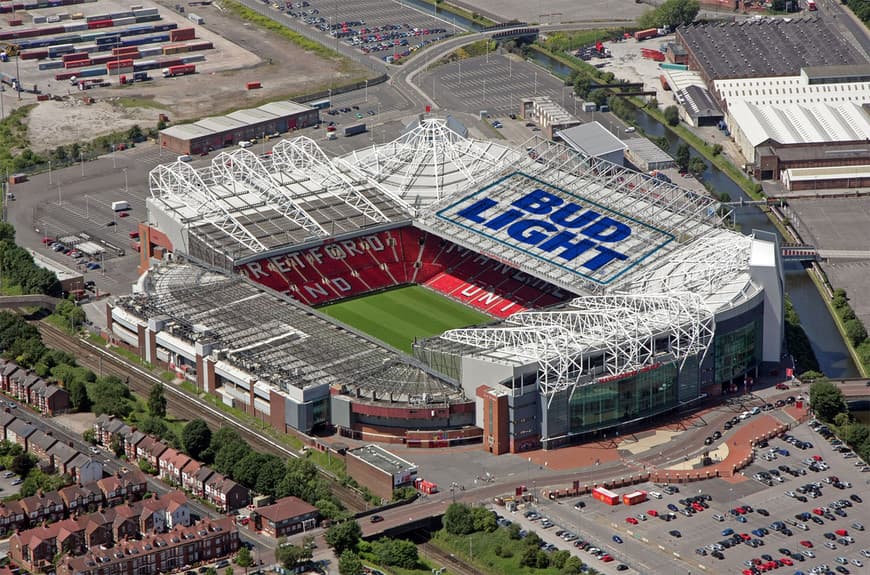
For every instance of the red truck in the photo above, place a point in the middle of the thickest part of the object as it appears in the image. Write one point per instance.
(182, 70)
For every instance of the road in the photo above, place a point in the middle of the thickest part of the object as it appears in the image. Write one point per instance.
(845, 20)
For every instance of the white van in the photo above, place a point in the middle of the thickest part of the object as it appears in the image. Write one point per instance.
(245, 144)
(655, 494)
(120, 206)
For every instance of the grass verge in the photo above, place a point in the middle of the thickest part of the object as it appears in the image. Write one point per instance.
(479, 550)
(136, 102)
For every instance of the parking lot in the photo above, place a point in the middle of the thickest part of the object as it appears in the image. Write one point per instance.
(650, 544)
(384, 29)
(494, 83)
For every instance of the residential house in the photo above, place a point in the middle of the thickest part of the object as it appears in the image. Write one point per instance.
(35, 549)
(5, 420)
(226, 494)
(171, 462)
(131, 440)
(43, 507)
(150, 449)
(188, 475)
(113, 490)
(18, 431)
(108, 428)
(39, 444)
(53, 400)
(98, 529)
(81, 498)
(61, 455)
(12, 516)
(204, 542)
(285, 517)
(84, 468)
(125, 522)
(6, 374)
(163, 513)
(34, 386)
(134, 484)
(197, 486)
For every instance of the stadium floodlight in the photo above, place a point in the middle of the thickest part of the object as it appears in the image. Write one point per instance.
(181, 188)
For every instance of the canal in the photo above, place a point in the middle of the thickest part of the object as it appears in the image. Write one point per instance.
(825, 339)
(456, 20)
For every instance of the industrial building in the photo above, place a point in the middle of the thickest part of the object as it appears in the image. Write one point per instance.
(764, 47)
(550, 116)
(646, 156)
(614, 296)
(380, 470)
(71, 281)
(243, 125)
(594, 140)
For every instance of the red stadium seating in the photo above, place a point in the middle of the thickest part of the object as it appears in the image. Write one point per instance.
(340, 269)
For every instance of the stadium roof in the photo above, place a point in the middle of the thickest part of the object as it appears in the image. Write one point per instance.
(596, 337)
(766, 47)
(653, 218)
(245, 205)
(430, 161)
(279, 341)
(801, 123)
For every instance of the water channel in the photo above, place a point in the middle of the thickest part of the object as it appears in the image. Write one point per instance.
(825, 339)
(456, 20)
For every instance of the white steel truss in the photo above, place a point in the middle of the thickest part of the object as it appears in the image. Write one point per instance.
(599, 336)
(242, 167)
(182, 186)
(303, 155)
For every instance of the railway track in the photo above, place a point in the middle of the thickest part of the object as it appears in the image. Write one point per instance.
(179, 402)
(453, 565)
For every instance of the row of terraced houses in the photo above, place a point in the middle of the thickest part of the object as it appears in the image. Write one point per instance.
(30, 389)
(173, 466)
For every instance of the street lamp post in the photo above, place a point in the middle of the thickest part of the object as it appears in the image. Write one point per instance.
(114, 165)
(49, 172)
(125, 180)
(82, 158)
(367, 90)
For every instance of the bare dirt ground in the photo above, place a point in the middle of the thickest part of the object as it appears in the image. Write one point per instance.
(243, 53)
(77, 422)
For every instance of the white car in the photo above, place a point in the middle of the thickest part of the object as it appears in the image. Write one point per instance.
(857, 563)
(865, 552)
(802, 526)
(95, 450)
(808, 553)
(245, 144)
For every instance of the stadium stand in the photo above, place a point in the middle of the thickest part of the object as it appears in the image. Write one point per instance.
(395, 257)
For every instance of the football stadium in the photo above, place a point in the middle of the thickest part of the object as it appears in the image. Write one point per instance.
(440, 290)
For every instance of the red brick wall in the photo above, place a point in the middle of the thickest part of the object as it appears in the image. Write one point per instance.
(378, 482)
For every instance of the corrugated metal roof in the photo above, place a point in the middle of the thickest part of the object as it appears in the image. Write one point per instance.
(220, 123)
(592, 138)
(252, 116)
(284, 108)
(648, 151)
(828, 173)
(187, 131)
(801, 124)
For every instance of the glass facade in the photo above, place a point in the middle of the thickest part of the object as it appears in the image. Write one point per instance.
(602, 404)
(737, 352)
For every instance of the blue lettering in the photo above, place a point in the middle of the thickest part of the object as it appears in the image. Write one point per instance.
(606, 256)
(473, 211)
(563, 214)
(570, 249)
(538, 202)
(618, 230)
(504, 219)
(521, 231)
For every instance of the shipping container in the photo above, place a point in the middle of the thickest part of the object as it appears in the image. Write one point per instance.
(146, 65)
(645, 34)
(634, 497)
(193, 59)
(92, 72)
(605, 496)
(253, 85)
(354, 130)
(149, 18)
(183, 34)
(200, 45)
(77, 64)
(54, 65)
(97, 24)
(119, 63)
(75, 26)
(669, 66)
(33, 54)
(181, 70)
(75, 56)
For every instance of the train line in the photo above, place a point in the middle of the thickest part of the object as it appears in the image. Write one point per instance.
(179, 402)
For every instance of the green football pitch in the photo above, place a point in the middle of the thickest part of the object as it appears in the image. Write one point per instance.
(399, 315)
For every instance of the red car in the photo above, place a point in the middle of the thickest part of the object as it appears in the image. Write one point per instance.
(807, 544)
(607, 558)
(697, 506)
(740, 510)
(781, 386)
(748, 572)
(652, 513)
(631, 520)
(841, 532)
(818, 511)
(818, 458)
(745, 536)
(47, 240)
(786, 561)
(123, 215)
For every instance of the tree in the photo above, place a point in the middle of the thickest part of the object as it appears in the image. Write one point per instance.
(349, 564)
(229, 570)
(196, 438)
(396, 552)
(229, 455)
(697, 166)
(343, 536)
(855, 434)
(529, 558)
(671, 13)
(559, 558)
(717, 149)
(826, 400)
(78, 395)
(134, 134)
(289, 555)
(117, 446)
(582, 87)
(483, 519)
(672, 115)
(855, 331)
(157, 401)
(599, 97)
(458, 519)
(683, 157)
(514, 531)
(110, 395)
(22, 464)
(572, 566)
